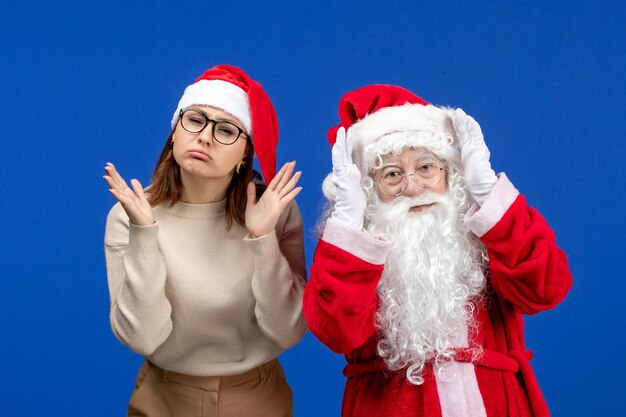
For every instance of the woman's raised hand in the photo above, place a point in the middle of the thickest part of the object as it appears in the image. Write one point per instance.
(133, 201)
(262, 215)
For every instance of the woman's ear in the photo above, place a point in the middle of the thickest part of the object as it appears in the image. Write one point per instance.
(172, 141)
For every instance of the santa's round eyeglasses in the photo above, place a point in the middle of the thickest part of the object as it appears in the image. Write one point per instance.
(393, 182)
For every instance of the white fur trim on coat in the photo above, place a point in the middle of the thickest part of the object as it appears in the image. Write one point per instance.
(359, 243)
(479, 219)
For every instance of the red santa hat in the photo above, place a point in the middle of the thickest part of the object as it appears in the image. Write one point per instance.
(387, 118)
(230, 89)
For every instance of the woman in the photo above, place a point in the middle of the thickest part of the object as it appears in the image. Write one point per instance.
(205, 281)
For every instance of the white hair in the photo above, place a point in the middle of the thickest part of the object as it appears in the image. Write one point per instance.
(433, 277)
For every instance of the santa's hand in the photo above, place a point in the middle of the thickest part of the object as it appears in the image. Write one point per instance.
(474, 156)
(350, 198)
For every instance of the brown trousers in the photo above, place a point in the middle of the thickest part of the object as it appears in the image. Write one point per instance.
(262, 391)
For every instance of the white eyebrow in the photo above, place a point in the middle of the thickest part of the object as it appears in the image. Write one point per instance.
(419, 157)
(390, 164)
(426, 155)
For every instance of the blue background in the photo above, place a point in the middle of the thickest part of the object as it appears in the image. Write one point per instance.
(85, 83)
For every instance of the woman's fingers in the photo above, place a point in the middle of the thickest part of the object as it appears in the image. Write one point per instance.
(292, 194)
(251, 195)
(109, 181)
(137, 189)
(276, 179)
(286, 175)
(133, 200)
(118, 181)
(286, 172)
(109, 168)
(113, 184)
(118, 187)
(290, 185)
(115, 193)
(119, 196)
(286, 169)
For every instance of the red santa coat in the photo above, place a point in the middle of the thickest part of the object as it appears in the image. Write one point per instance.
(528, 274)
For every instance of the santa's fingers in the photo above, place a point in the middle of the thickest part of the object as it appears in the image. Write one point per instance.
(466, 127)
(349, 144)
(338, 150)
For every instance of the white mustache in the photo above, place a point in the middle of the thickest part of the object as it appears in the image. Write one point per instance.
(405, 203)
(385, 214)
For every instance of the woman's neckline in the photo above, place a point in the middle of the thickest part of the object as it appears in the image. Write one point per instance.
(198, 211)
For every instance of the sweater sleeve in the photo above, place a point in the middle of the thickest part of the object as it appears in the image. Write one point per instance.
(526, 267)
(340, 300)
(279, 278)
(140, 312)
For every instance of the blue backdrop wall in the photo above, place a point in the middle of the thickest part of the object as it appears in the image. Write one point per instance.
(83, 83)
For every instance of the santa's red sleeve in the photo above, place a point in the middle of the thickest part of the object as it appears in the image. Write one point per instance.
(340, 298)
(527, 269)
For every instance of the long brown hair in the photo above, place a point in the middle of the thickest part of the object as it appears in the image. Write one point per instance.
(167, 186)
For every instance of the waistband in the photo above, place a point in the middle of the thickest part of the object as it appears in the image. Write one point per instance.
(515, 361)
(487, 358)
(213, 383)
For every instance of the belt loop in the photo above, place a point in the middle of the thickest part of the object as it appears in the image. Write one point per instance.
(164, 375)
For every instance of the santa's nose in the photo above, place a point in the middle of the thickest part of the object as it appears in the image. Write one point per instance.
(413, 188)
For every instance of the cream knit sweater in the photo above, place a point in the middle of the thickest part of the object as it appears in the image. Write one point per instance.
(197, 299)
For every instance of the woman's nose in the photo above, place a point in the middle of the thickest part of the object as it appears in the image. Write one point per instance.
(206, 134)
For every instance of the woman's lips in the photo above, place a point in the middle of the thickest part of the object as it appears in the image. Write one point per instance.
(196, 153)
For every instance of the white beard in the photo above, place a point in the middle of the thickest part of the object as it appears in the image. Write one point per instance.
(432, 280)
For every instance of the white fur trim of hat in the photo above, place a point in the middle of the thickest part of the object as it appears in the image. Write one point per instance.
(220, 94)
(393, 129)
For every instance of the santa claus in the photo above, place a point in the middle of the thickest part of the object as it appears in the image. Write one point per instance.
(426, 263)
